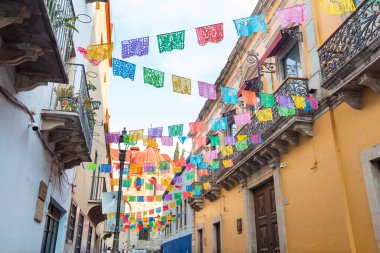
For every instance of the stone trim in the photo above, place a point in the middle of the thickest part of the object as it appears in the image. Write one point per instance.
(371, 174)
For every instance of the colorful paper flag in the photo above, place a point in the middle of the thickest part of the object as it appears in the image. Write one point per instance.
(299, 102)
(195, 159)
(313, 102)
(105, 168)
(293, 15)
(155, 132)
(171, 41)
(189, 176)
(91, 166)
(112, 137)
(256, 139)
(175, 130)
(164, 165)
(264, 114)
(215, 165)
(99, 52)
(227, 150)
(207, 90)
(200, 141)
(210, 33)
(249, 97)
(229, 140)
(123, 69)
(242, 119)
(136, 135)
(181, 85)
(214, 140)
(167, 141)
(337, 7)
(137, 47)
(285, 101)
(247, 26)
(154, 77)
(267, 100)
(206, 185)
(285, 111)
(197, 127)
(219, 124)
(211, 155)
(242, 145)
(229, 95)
(182, 139)
(227, 163)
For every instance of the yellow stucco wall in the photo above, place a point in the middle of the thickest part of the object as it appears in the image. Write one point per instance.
(328, 207)
(229, 208)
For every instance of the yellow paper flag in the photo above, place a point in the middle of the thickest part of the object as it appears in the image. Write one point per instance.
(135, 135)
(172, 205)
(177, 169)
(206, 185)
(181, 85)
(227, 150)
(337, 7)
(241, 137)
(227, 163)
(299, 102)
(264, 114)
(114, 181)
(99, 52)
(170, 188)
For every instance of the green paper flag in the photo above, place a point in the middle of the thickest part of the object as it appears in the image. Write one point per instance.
(175, 130)
(284, 111)
(178, 202)
(241, 146)
(215, 165)
(214, 140)
(170, 41)
(154, 77)
(164, 165)
(177, 195)
(131, 198)
(127, 183)
(91, 166)
(127, 140)
(189, 176)
(267, 100)
(148, 186)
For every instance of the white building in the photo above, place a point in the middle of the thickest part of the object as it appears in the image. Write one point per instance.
(176, 237)
(41, 139)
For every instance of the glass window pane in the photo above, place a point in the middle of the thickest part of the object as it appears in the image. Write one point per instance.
(292, 63)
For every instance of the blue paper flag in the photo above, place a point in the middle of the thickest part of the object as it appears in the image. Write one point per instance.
(105, 168)
(182, 139)
(140, 198)
(247, 26)
(195, 159)
(229, 95)
(158, 210)
(219, 124)
(123, 69)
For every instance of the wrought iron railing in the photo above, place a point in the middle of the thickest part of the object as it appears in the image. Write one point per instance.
(98, 186)
(61, 14)
(78, 100)
(358, 32)
(292, 86)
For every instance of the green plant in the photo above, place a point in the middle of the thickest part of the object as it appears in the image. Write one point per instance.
(87, 104)
(90, 86)
(69, 23)
(63, 91)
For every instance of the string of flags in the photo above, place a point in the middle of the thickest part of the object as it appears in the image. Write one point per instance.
(289, 16)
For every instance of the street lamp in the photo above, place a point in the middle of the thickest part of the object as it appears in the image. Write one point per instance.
(122, 150)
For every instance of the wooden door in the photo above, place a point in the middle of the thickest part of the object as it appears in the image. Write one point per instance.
(266, 219)
(218, 238)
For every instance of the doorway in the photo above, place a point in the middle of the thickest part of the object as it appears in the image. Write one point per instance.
(49, 239)
(218, 239)
(266, 218)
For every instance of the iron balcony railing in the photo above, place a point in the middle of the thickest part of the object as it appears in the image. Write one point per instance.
(292, 86)
(98, 186)
(355, 35)
(78, 100)
(62, 17)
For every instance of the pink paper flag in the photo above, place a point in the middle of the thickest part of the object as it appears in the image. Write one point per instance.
(167, 141)
(292, 15)
(112, 137)
(313, 102)
(211, 155)
(197, 127)
(207, 90)
(242, 119)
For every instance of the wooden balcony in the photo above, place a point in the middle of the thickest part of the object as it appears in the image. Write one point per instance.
(36, 40)
(350, 58)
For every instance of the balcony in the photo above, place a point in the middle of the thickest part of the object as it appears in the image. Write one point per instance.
(36, 40)
(98, 186)
(276, 135)
(350, 57)
(68, 127)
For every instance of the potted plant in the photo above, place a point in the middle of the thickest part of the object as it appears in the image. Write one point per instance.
(65, 97)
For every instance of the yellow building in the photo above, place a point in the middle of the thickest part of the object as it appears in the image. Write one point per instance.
(312, 185)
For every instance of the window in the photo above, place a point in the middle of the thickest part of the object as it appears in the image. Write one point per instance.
(292, 63)
(200, 241)
(179, 216)
(71, 225)
(89, 237)
(78, 240)
(177, 222)
(144, 235)
(185, 213)
(49, 239)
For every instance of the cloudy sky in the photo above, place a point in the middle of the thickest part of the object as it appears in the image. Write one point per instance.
(135, 105)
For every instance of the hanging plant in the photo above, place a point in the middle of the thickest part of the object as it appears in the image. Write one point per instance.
(87, 104)
(90, 86)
